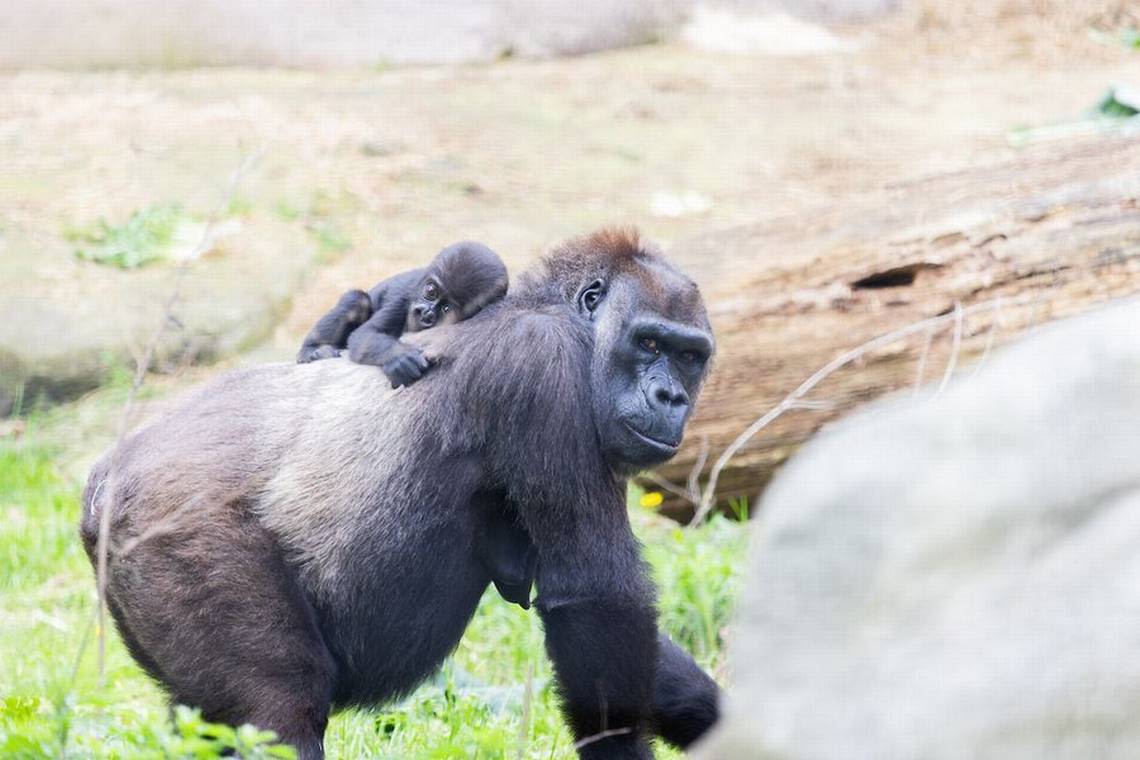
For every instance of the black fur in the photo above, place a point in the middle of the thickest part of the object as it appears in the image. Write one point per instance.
(461, 280)
(506, 551)
(291, 539)
(685, 699)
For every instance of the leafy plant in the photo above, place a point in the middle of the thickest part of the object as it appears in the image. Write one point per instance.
(189, 738)
(1116, 106)
(197, 739)
(1116, 112)
(696, 570)
(144, 238)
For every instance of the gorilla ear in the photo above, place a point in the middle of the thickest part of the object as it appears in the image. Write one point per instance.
(589, 297)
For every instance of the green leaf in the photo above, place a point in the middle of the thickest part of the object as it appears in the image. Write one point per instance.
(1115, 106)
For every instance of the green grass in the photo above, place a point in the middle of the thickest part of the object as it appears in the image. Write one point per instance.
(144, 238)
(331, 240)
(52, 704)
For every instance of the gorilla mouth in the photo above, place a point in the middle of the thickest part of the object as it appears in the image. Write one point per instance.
(656, 442)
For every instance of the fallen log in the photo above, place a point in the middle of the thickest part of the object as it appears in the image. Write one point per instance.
(1048, 234)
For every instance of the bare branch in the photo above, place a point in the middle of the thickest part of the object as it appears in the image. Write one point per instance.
(692, 490)
(991, 334)
(665, 485)
(790, 401)
(920, 372)
(694, 481)
(585, 742)
(822, 405)
(955, 349)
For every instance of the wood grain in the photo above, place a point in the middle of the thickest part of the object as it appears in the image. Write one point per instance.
(1048, 234)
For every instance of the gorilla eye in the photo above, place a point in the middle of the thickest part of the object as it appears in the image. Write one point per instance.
(650, 345)
(691, 357)
(445, 307)
(590, 296)
(430, 292)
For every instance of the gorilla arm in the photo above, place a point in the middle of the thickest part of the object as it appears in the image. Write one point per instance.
(527, 386)
(685, 699)
(377, 341)
(331, 332)
(369, 325)
(383, 308)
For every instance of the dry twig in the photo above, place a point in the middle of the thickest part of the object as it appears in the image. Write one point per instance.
(792, 400)
(920, 372)
(955, 349)
(588, 740)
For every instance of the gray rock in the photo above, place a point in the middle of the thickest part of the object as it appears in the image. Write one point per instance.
(816, 10)
(180, 33)
(67, 325)
(956, 577)
(328, 33)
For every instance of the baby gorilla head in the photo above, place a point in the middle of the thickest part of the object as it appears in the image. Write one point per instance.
(461, 280)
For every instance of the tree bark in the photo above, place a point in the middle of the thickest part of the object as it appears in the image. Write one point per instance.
(1046, 235)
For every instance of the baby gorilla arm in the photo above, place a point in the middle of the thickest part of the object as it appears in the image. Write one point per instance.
(375, 343)
(371, 335)
(331, 332)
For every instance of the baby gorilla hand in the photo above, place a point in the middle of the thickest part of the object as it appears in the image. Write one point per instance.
(405, 365)
(316, 354)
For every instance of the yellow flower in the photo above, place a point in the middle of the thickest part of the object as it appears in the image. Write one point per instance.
(652, 499)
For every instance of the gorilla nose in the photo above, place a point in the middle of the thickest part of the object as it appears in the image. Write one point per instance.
(668, 396)
(426, 317)
(667, 407)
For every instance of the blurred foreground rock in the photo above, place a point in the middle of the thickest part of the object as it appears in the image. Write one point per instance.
(959, 576)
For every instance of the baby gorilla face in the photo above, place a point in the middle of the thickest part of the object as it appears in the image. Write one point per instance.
(461, 280)
(432, 306)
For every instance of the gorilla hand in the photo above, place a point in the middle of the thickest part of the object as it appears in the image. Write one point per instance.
(405, 365)
(316, 354)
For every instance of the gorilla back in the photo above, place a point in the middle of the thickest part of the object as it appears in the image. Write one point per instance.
(293, 537)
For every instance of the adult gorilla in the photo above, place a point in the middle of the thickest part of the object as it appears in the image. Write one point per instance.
(296, 537)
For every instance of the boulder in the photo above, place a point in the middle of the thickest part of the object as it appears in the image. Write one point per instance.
(955, 575)
(70, 325)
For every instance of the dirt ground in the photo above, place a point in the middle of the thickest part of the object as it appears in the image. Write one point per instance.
(363, 173)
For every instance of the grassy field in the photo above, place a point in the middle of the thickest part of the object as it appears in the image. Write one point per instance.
(493, 698)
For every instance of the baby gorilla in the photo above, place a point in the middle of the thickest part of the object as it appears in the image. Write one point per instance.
(461, 280)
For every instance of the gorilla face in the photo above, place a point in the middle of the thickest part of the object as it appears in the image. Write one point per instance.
(652, 350)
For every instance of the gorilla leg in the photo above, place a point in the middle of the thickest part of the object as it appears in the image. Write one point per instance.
(218, 607)
(685, 699)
